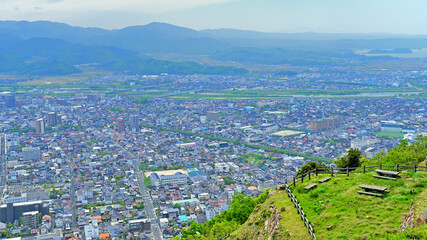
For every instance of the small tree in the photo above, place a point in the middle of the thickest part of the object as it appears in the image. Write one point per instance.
(310, 166)
(351, 159)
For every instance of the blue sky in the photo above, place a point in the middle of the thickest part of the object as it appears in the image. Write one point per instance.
(331, 16)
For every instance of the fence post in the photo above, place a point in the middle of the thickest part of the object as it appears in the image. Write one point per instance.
(364, 170)
(347, 171)
(332, 171)
(380, 166)
(415, 168)
(316, 171)
(397, 167)
(294, 181)
(302, 178)
(309, 175)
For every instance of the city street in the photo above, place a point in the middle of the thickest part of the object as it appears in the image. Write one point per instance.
(148, 202)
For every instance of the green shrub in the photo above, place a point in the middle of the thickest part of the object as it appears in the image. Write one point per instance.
(322, 189)
(405, 191)
(318, 208)
(410, 173)
(421, 184)
(398, 197)
(314, 195)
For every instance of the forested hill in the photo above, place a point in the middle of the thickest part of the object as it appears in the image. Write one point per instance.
(25, 46)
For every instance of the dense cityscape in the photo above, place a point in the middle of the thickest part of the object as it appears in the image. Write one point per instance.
(213, 120)
(143, 162)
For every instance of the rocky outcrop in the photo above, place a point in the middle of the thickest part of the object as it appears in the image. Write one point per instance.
(422, 218)
(267, 223)
(272, 224)
(408, 220)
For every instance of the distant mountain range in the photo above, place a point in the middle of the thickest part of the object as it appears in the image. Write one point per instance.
(49, 48)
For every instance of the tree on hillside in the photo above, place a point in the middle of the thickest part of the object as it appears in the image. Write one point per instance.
(310, 166)
(351, 159)
(240, 209)
(407, 153)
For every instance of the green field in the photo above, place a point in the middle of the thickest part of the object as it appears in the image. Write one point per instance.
(281, 94)
(390, 134)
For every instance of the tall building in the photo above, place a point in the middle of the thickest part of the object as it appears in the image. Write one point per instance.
(10, 100)
(31, 154)
(325, 123)
(40, 126)
(58, 118)
(91, 231)
(92, 97)
(134, 122)
(213, 116)
(121, 125)
(30, 219)
(140, 225)
(13, 211)
(3, 144)
(52, 119)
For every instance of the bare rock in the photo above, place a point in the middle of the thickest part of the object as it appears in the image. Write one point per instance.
(408, 219)
(422, 218)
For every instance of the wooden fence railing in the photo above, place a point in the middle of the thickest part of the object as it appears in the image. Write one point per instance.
(300, 211)
(363, 169)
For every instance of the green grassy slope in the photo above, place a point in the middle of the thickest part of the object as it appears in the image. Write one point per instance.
(290, 227)
(339, 212)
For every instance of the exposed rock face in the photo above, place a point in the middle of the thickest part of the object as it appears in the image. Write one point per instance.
(408, 220)
(271, 224)
(422, 218)
(265, 226)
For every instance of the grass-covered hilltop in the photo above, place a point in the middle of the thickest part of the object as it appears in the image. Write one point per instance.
(334, 208)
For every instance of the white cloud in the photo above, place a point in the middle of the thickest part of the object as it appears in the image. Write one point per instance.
(85, 6)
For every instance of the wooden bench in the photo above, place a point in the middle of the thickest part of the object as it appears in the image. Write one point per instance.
(384, 177)
(374, 188)
(325, 179)
(370, 193)
(387, 173)
(310, 186)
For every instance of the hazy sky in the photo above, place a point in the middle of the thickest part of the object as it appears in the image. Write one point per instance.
(334, 16)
